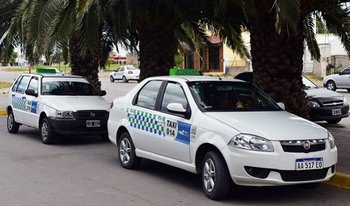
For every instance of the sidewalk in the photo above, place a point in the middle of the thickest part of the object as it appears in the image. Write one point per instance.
(339, 131)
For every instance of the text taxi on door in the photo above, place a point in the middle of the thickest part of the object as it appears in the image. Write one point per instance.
(226, 130)
(56, 104)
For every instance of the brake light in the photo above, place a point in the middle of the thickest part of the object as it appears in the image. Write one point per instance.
(129, 72)
(112, 104)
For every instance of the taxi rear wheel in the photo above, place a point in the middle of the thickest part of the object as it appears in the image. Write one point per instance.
(216, 180)
(126, 152)
(111, 78)
(125, 80)
(47, 134)
(12, 125)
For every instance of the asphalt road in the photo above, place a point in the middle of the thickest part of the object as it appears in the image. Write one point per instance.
(86, 171)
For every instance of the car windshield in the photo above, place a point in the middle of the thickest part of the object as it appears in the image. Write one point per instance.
(308, 84)
(67, 87)
(231, 96)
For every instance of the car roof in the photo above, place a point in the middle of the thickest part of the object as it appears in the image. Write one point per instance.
(193, 78)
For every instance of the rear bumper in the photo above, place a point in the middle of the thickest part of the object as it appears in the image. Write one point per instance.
(77, 126)
(325, 113)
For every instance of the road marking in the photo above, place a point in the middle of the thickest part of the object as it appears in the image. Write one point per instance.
(340, 180)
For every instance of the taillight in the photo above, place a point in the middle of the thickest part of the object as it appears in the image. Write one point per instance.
(129, 72)
(112, 104)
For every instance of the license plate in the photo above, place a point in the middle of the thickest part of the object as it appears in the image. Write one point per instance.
(93, 123)
(309, 164)
(336, 112)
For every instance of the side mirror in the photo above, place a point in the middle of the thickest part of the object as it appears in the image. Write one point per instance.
(176, 107)
(340, 73)
(281, 104)
(103, 93)
(31, 92)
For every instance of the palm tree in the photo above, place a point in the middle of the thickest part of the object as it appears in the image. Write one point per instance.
(74, 26)
(278, 30)
(158, 26)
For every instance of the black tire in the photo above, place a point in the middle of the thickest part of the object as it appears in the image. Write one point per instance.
(216, 181)
(331, 85)
(111, 79)
(126, 152)
(12, 125)
(348, 90)
(333, 121)
(124, 79)
(46, 132)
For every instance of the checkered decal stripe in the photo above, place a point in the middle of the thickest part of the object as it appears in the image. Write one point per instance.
(19, 103)
(146, 121)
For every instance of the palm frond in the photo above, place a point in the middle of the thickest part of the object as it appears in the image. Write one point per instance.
(311, 37)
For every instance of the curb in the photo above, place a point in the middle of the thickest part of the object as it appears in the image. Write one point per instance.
(3, 112)
(340, 180)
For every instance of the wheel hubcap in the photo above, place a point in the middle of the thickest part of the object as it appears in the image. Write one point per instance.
(209, 175)
(10, 121)
(44, 131)
(330, 86)
(125, 151)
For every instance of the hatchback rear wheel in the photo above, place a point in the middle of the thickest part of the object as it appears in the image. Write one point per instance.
(12, 125)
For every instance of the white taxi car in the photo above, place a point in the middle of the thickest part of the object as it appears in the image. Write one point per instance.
(56, 104)
(226, 130)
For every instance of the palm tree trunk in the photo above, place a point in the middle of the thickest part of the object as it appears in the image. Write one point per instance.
(85, 65)
(278, 64)
(158, 47)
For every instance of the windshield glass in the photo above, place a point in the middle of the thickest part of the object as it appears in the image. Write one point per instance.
(230, 96)
(308, 84)
(68, 88)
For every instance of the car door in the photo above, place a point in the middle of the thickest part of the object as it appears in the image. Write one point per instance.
(120, 73)
(19, 99)
(31, 116)
(175, 141)
(144, 121)
(343, 80)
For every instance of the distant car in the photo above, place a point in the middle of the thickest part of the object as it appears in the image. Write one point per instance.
(338, 81)
(125, 73)
(56, 105)
(325, 105)
(226, 130)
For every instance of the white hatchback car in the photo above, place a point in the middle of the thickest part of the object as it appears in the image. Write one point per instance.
(225, 130)
(125, 73)
(56, 104)
(338, 81)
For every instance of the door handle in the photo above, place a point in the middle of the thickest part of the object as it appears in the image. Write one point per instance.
(24, 98)
(13, 95)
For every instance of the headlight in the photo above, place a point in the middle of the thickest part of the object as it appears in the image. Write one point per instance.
(313, 104)
(64, 114)
(331, 140)
(251, 142)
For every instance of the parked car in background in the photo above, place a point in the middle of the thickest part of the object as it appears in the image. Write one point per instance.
(56, 105)
(223, 129)
(125, 73)
(338, 81)
(325, 105)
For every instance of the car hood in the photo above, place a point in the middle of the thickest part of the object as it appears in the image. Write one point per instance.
(75, 103)
(322, 93)
(275, 125)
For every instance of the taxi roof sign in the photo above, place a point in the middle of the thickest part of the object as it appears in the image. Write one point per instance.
(41, 70)
(184, 72)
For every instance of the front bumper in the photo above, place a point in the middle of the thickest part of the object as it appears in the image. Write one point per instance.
(252, 168)
(77, 126)
(325, 113)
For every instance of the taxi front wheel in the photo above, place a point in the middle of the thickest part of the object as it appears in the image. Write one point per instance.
(47, 134)
(126, 151)
(12, 125)
(215, 176)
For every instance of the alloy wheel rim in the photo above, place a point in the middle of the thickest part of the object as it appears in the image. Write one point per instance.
(330, 86)
(125, 151)
(209, 175)
(44, 131)
(10, 122)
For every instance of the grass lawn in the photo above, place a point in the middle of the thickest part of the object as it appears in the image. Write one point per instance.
(66, 69)
(5, 85)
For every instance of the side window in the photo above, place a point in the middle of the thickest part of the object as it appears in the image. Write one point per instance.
(173, 94)
(121, 69)
(34, 84)
(16, 84)
(346, 71)
(147, 96)
(23, 84)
